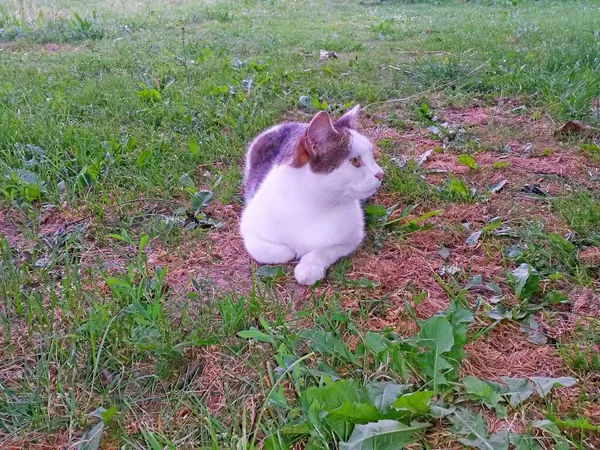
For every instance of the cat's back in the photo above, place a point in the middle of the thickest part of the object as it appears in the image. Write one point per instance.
(275, 146)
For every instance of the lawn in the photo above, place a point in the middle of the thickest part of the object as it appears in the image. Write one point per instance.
(131, 316)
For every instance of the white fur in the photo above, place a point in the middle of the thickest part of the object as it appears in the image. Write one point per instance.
(316, 218)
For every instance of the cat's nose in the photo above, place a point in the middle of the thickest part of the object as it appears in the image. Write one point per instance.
(379, 175)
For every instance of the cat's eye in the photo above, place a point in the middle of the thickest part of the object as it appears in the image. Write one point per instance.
(356, 161)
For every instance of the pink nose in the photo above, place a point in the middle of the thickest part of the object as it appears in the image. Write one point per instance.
(379, 175)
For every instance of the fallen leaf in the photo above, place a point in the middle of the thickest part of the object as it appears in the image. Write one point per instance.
(449, 270)
(533, 189)
(421, 159)
(324, 55)
(575, 127)
(444, 252)
(473, 238)
(496, 187)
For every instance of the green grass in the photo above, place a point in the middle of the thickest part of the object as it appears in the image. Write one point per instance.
(131, 116)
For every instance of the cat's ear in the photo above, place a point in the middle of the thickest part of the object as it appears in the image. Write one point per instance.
(320, 130)
(349, 120)
(319, 133)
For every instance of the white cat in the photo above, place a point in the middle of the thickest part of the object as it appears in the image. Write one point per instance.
(303, 189)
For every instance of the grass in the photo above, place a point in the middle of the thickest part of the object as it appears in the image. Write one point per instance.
(130, 314)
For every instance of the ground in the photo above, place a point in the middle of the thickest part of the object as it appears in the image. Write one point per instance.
(132, 316)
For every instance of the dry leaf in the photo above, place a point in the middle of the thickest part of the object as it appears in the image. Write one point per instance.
(324, 55)
(575, 127)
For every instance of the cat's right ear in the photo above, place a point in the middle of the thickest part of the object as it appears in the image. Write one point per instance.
(350, 119)
(320, 131)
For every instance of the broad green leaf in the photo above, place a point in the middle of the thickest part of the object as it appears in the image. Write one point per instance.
(107, 415)
(489, 393)
(270, 272)
(492, 224)
(417, 403)
(524, 442)
(143, 242)
(473, 428)
(458, 187)
(91, 438)
(257, 335)
(436, 334)
(531, 328)
(550, 427)
(544, 385)
(434, 367)
(194, 147)
(374, 212)
(200, 199)
(384, 393)
(277, 398)
(382, 435)
(525, 280)
(354, 412)
(341, 419)
(143, 157)
(326, 343)
(518, 389)
(296, 428)
(556, 297)
(439, 411)
(498, 441)
(468, 161)
(561, 242)
(333, 395)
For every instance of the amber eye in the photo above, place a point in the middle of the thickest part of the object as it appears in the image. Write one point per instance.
(356, 162)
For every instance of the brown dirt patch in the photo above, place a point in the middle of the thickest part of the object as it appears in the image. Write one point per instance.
(475, 115)
(504, 352)
(9, 230)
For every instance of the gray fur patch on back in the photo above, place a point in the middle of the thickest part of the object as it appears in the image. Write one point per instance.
(274, 147)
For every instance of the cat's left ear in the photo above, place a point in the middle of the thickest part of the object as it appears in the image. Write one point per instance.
(349, 120)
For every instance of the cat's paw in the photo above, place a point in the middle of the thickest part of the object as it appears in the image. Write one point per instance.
(308, 274)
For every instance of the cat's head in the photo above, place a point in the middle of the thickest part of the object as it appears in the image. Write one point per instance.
(339, 156)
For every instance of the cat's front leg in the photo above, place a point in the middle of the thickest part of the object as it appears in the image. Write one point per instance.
(313, 265)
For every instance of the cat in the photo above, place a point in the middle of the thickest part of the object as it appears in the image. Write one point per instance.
(304, 185)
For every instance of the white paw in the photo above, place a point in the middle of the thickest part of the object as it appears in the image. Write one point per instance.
(308, 274)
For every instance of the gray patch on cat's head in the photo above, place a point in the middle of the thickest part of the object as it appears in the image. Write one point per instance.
(325, 146)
